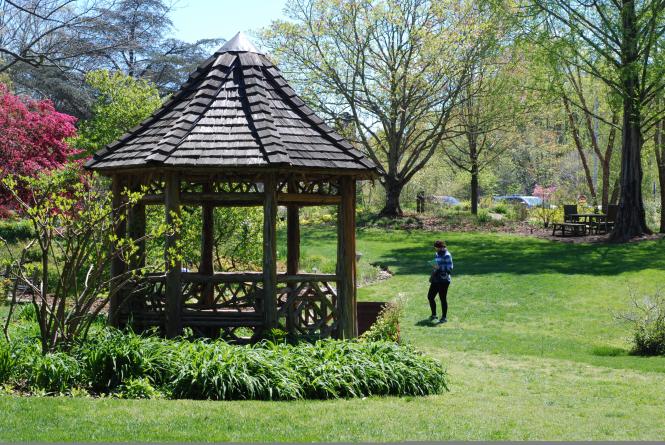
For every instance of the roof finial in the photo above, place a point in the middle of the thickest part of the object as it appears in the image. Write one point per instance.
(239, 43)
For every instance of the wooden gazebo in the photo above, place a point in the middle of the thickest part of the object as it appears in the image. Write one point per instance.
(236, 134)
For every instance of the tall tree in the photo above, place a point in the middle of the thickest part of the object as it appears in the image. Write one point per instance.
(122, 103)
(491, 104)
(659, 149)
(396, 66)
(47, 46)
(136, 33)
(587, 120)
(45, 32)
(614, 40)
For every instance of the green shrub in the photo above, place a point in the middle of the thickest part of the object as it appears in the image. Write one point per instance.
(483, 216)
(7, 362)
(518, 212)
(27, 313)
(386, 327)
(16, 230)
(134, 366)
(334, 369)
(54, 372)
(501, 208)
(219, 371)
(648, 322)
(137, 389)
(112, 358)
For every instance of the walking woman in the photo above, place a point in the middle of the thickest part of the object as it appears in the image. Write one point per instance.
(440, 280)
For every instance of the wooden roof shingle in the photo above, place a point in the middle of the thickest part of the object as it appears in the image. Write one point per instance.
(235, 110)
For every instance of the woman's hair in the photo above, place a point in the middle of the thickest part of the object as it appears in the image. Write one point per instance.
(439, 244)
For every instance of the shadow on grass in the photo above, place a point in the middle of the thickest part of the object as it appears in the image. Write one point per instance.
(427, 323)
(486, 254)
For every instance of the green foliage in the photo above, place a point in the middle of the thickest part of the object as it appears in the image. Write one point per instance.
(547, 215)
(122, 103)
(16, 230)
(386, 327)
(238, 238)
(133, 366)
(27, 313)
(138, 389)
(54, 372)
(113, 358)
(75, 241)
(219, 371)
(501, 208)
(648, 321)
(7, 362)
(483, 216)
(238, 235)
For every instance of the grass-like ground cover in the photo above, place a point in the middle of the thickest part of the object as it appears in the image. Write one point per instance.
(532, 349)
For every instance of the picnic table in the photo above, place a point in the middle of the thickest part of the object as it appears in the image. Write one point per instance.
(589, 218)
(581, 223)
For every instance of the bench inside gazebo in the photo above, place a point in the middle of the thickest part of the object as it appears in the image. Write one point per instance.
(236, 134)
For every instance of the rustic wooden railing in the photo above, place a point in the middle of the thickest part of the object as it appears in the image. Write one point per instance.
(232, 302)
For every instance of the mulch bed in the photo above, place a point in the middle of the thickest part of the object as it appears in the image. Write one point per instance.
(432, 223)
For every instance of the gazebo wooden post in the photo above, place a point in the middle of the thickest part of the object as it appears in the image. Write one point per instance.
(136, 230)
(118, 266)
(293, 247)
(269, 251)
(173, 262)
(346, 259)
(207, 242)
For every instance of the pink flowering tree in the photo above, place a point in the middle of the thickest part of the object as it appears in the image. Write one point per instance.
(32, 139)
(544, 193)
(545, 213)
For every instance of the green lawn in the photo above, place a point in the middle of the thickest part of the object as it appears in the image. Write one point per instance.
(532, 348)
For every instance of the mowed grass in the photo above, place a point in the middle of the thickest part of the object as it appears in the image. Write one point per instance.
(532, 347)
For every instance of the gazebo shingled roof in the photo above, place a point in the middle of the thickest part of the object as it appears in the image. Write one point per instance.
(235, 111)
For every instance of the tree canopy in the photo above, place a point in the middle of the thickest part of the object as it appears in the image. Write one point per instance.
(33, 138)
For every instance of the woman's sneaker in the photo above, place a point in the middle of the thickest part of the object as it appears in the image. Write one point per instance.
(432, 318)
(443, 320)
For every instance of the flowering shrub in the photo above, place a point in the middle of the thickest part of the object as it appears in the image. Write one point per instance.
(32, 138)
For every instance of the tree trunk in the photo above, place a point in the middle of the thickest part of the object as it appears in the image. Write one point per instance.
(605, 191)
(393, 190)
(474, 187)
(661, 177)
(631, 218)
(614, 199)
(659, 150)
(580, 148)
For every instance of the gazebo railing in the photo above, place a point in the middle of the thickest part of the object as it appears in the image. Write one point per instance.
(307, 304)
(232, 303)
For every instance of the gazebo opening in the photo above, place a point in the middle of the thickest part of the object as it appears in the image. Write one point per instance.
(237, 136)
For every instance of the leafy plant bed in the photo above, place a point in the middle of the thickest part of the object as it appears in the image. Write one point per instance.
(131, 366)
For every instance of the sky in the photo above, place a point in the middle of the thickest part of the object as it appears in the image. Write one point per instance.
(203, 19)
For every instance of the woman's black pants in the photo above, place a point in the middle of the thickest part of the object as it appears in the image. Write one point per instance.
(442, 290)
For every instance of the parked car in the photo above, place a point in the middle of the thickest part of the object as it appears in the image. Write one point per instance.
(529, 201)
(445, 200)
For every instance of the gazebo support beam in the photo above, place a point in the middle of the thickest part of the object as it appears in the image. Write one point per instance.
(207, 244)
(118, 266)
(269, 252)
(136, 230)
(246, 199)
(292, 235)
(346, 260)
(173, 262)
(292, 248)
